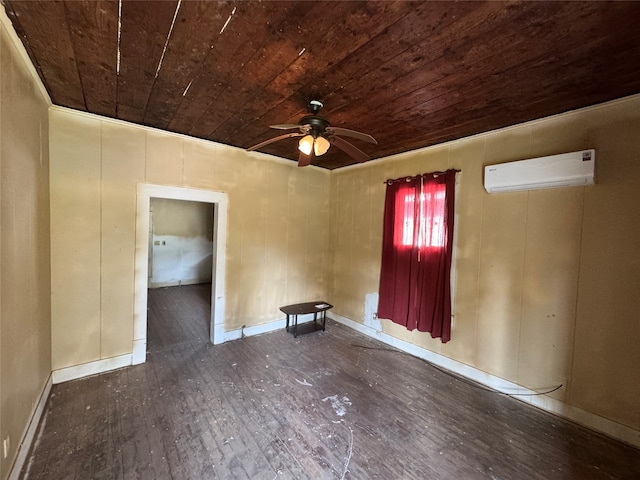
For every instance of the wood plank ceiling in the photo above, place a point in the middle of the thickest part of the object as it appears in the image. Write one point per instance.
(411, 74)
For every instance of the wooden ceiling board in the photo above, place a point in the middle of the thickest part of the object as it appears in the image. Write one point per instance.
(397, 75)
(300, 66)
(427, 72)
(354, 65)
(400, 81)
(42, 26)
(412, 74)
(93, 27)
(379, 89)
(324, 49)
(258, 71)
(142, 41)
(275, 49)
(245, 33)
(507, 81)
(215, 72)
(194, 34)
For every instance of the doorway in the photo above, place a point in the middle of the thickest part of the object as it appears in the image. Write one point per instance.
(220, 203)
(180, 270)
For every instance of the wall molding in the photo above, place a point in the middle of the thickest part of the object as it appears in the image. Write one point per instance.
(590, 420)
(268, 327)
(179, 283)
(30, 431)
(91, 368)
(109, 364)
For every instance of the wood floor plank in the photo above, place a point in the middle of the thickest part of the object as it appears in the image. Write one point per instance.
(325, 405)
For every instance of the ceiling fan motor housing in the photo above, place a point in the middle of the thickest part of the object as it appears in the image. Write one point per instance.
(316, 123)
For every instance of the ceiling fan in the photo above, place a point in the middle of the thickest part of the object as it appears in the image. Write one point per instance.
(317, 136)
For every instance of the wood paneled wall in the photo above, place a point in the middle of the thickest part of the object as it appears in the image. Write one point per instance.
(25, 305)
(544, 280)
(277, 243)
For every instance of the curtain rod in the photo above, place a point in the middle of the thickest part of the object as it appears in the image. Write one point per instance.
(406, 179)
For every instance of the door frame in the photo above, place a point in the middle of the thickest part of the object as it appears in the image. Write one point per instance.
(220, 201)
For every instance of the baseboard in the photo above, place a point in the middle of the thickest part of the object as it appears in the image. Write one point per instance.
(590, 420)
(262, 328)
(253, 330)
(139, 354)
(31, 430)
(179, 283)
(91, 368)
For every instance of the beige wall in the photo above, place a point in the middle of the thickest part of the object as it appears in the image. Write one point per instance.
(546, 282)
(181, 244)
(277, 241)
(25, 332)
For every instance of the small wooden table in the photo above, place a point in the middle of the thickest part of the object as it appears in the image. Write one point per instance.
(306, 308)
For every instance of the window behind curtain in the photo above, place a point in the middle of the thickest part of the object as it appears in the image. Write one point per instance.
(422, 220)
(416, 254)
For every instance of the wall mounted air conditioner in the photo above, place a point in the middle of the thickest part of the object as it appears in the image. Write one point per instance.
(564, 170)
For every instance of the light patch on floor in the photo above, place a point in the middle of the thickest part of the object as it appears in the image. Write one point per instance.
(339, 405)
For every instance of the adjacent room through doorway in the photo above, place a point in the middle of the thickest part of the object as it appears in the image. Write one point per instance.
(178, 317)
(180, 272)
(181, 242)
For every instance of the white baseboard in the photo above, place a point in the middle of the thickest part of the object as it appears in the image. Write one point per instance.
(139, 354)
(590, 420)
(91, 368)
(179, 283)
(263, 328)
(253, 330)
(30, 432)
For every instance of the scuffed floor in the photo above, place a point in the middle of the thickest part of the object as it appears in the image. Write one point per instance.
(327, 405)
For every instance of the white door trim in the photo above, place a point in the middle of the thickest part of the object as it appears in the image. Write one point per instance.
(220, 203)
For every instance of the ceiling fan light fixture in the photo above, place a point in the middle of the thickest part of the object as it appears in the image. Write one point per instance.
(306, 144)
(321, 146)
(316, 135)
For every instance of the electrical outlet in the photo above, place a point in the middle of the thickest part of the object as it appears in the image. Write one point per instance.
(375, 315)
(6, 445)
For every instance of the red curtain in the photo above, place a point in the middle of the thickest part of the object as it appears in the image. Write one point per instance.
(417, 247)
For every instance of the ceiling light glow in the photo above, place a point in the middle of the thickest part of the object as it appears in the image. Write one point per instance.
(306, 144)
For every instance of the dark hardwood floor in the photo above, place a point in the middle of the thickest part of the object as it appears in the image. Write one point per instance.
(327, 405)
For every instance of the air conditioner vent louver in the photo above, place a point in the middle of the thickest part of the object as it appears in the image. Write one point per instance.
(564, 170)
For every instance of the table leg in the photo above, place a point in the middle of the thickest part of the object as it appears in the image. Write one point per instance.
(287, 326)
(324, 320)
(295, 326)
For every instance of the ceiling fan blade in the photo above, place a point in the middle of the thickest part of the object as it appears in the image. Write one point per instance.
(274, 139)
(348, 148)
(285, 126)
(304, 160)
(351, 133)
